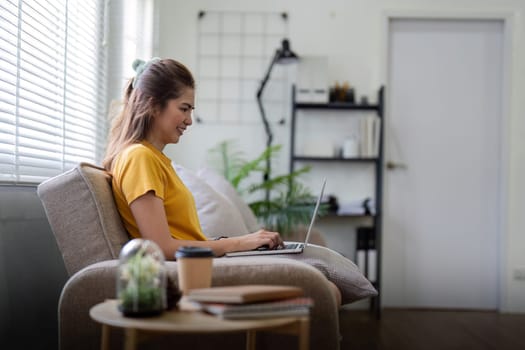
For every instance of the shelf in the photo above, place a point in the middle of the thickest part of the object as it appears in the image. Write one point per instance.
(338, 105)
(344, 110)
(334, 159)
(334, 215)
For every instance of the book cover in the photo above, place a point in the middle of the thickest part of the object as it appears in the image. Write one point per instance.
(363, 147)
(377, 136)
(370, 136)
(244, 293)
(280, 308)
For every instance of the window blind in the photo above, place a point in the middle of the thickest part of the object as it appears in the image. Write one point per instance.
(52, 87)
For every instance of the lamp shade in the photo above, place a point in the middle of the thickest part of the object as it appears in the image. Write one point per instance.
(284, 54)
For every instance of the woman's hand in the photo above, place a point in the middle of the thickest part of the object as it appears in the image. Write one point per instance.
(257, 239)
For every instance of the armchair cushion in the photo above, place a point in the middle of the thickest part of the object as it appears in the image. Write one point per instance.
(221, 185)
(80, 207)
(217, 215)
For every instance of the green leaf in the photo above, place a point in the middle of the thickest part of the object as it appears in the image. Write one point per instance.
(228, 160)
(290, 203)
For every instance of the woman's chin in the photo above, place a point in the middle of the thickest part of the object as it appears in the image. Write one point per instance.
(173, 138)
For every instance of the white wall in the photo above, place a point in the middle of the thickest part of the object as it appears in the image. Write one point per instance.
(352, 34)
(127, 41)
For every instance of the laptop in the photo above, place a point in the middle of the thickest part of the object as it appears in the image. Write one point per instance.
(289, 247)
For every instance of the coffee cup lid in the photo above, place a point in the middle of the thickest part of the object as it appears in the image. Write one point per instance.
(194, 252)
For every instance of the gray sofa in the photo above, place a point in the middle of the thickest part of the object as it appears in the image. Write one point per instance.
(87, 227)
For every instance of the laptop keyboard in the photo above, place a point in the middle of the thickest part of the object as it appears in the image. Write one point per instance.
(286, 246)
(289, 246)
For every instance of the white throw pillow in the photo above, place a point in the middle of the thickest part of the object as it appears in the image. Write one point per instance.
(217, 215)
(221, 185)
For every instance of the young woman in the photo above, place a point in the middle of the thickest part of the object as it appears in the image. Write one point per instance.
(153, 202)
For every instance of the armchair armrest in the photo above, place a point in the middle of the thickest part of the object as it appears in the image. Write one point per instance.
(97, 282)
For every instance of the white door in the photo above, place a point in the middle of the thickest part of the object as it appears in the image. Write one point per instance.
(442, 197)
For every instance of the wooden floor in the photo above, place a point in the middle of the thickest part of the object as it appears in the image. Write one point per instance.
(401, 329)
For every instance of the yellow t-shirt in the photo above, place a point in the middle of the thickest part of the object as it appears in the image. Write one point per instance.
(141, 168)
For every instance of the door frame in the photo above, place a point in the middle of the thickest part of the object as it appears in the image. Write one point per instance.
(508, 19)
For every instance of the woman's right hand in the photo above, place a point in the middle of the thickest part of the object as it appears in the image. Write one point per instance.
(257, 239)
(246, 242)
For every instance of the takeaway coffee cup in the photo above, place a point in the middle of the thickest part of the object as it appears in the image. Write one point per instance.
(194, 266)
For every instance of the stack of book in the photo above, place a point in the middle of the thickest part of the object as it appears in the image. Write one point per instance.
(251, 301)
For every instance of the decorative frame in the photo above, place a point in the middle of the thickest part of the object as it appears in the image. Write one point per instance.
(233, 51)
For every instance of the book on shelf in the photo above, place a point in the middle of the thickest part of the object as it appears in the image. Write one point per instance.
(370, 135)
(244, 293)
(277, 308)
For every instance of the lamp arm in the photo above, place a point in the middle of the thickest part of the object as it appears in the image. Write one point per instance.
(269, 138)
(267, 128)
(267, 75)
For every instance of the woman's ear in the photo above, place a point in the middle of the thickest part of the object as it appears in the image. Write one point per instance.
(154, 107)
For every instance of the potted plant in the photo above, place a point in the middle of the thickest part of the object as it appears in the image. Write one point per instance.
(289, 204)
(141, 282)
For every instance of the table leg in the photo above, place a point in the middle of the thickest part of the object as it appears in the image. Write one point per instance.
(130, 340)
(104, 345)
(250, 340)
(304, 334)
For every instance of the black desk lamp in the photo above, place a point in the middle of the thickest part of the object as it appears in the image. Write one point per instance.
(283, 55)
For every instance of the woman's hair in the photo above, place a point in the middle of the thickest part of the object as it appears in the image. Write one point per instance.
(156, 82)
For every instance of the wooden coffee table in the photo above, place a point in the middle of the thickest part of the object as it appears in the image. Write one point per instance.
(196, 322)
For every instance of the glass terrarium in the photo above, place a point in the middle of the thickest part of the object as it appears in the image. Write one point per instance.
(141, 280)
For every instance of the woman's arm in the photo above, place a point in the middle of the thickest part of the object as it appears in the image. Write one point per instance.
(148, 211)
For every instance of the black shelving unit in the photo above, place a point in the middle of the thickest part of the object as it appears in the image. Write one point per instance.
(378, 108)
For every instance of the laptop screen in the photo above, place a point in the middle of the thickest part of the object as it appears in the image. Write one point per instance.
(314, 215)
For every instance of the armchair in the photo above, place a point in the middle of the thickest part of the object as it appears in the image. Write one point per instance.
(89, 233)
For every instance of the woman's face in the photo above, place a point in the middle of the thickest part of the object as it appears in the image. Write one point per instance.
(172, 121)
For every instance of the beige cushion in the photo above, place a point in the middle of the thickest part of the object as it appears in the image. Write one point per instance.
(82, 213)
(217, 215)
(221, 185)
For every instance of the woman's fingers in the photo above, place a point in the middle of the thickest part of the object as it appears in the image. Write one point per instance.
(273, 239)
